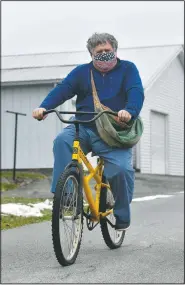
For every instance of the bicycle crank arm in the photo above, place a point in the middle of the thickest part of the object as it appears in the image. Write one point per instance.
(113, 226)
(91, 225)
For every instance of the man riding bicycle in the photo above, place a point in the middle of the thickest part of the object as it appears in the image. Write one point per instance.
(119, 87)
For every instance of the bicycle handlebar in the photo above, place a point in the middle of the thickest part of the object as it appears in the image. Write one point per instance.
(58, 113)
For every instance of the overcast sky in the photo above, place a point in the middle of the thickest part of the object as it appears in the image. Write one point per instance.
(49, 26)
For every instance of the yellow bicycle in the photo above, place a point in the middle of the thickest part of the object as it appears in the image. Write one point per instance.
(68, 203)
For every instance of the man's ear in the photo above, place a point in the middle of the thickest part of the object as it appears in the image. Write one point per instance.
(91, 53)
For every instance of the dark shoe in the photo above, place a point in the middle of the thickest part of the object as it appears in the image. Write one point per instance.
(121, 226)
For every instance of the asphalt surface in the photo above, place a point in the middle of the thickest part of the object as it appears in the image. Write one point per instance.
(144, 185)
(152, 252)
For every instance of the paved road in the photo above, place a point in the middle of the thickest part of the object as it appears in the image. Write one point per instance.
(144, 185)
(153, 250)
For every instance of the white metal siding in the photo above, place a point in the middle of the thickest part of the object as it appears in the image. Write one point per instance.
(34, 138)
(166, 96)
(158, 143)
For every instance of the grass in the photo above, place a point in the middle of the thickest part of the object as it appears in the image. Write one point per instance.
(8, 186)
(23, 175)
(25, 201)
(11, 221)
(20, 177)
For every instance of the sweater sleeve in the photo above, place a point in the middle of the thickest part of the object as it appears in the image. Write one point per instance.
(64, 90)
(134, 90)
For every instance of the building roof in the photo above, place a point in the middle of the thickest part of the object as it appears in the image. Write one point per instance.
(150, 61)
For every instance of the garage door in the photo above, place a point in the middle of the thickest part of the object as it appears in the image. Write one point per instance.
(158, 143)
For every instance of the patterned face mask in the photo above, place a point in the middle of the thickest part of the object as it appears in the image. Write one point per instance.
(105, 61)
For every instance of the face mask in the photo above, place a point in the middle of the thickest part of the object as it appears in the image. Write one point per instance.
(105, 61)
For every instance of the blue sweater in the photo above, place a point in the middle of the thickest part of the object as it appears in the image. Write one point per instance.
(120, 88)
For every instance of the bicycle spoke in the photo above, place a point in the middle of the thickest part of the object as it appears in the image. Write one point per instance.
(70, 228)
(69, 204)
(67, 237)
(111, 236)
(70, 236)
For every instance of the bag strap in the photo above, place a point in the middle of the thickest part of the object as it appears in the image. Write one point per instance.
(98, 104)
(94, 92)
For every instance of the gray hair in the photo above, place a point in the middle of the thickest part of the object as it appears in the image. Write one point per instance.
(98, 39)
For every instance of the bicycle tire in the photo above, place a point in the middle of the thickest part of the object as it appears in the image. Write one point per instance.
(104, 224)
(56, 215)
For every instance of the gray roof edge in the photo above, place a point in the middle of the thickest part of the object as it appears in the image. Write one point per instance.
(149, 84)
(81, 51)
(29, 82)
(37, 67)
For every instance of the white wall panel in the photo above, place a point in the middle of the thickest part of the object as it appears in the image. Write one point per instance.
(166, 96)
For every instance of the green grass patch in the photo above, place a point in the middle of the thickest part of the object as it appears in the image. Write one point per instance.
(22, 175)
(8, 186)
(11, 221)
(25, 201)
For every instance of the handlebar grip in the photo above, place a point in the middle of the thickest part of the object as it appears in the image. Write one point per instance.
(44, 113)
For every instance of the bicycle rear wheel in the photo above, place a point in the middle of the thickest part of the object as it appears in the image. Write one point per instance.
(67, 217)
(112, 237)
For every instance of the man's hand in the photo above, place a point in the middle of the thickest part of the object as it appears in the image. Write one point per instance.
(38, 114)
(124, 116)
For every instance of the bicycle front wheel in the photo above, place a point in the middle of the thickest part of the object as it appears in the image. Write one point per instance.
(67, 217)
(111, 236)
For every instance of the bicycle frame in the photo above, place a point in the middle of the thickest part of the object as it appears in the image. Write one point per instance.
(80, 157)
(95, 173)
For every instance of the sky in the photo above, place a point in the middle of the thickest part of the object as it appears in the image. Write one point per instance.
(55, 26)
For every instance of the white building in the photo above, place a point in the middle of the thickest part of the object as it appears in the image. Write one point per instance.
(27, 79)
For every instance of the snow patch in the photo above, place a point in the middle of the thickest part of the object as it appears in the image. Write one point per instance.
(147, 198)
(34, 210)
(30, 210)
